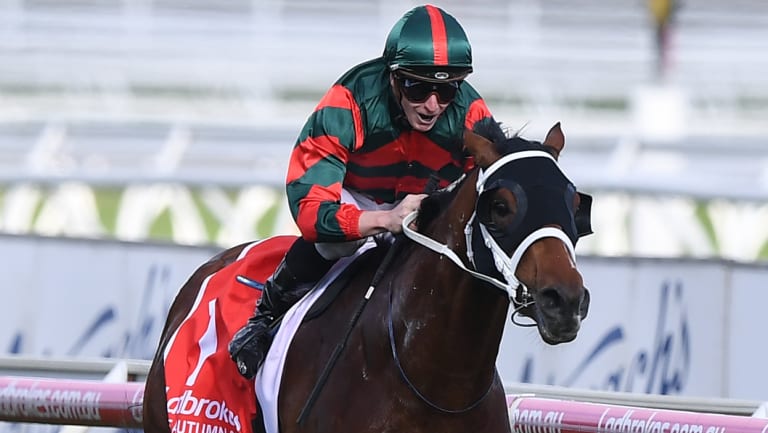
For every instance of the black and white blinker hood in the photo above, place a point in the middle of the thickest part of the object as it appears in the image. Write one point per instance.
(544, 197)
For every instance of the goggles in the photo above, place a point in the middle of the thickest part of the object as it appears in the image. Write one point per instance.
(419, 91)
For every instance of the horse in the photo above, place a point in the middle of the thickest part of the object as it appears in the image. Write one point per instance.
(411, 340)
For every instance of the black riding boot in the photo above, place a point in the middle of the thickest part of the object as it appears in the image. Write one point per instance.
(284, 288)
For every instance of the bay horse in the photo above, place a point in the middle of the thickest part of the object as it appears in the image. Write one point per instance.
(421, 355)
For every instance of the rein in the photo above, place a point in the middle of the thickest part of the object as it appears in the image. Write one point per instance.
(507, 265)
(410, 384)
(383, 266)
(516, 290)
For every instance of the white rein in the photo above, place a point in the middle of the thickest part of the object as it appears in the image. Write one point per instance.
(506, 265)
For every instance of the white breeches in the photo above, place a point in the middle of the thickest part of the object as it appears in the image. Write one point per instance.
(337, 250)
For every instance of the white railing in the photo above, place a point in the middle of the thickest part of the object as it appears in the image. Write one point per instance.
(135, 371)
(94, 403)
(72, 368)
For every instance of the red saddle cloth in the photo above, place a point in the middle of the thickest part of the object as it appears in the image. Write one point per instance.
(204, 391)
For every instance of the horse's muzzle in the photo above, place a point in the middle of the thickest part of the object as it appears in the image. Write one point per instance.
(558, 317)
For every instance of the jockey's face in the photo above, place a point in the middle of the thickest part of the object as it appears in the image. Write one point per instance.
(423, 102)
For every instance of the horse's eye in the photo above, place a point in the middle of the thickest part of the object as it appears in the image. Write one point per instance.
(500, 208)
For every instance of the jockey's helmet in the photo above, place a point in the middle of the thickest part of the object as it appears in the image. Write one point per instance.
(428, 44)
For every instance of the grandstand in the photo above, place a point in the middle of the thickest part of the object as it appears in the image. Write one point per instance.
(114, 92)
(562, 50)
(115, 114)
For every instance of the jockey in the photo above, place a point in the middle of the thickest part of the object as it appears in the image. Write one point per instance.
(365, 155)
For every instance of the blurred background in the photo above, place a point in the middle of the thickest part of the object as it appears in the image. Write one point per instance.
(173, 119)
(168, 124)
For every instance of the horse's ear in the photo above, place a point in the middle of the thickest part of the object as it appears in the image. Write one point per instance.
(555, 139)
(480, 148)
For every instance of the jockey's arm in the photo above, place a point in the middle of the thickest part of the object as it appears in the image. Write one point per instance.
(376, 221)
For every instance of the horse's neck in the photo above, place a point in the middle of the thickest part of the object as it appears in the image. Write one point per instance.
(468, 314)
(441, 310)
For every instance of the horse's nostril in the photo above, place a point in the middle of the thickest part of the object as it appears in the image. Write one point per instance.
(554, 300)
(550, 299)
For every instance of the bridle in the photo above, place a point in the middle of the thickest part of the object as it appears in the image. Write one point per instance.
(506, 265)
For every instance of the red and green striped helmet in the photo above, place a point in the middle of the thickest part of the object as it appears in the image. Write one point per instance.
(429, 44)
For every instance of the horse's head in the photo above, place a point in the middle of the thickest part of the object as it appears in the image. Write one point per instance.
(527, 219)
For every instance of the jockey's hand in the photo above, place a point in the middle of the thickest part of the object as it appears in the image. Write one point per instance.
(373, 222)
(410, 203)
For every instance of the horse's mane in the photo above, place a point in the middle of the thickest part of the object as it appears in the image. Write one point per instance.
(433, 204)
(505, 141)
